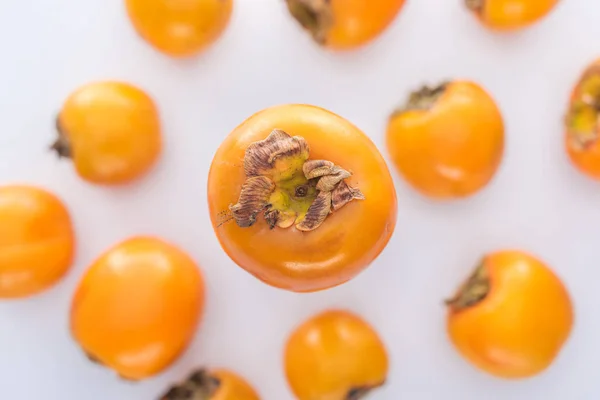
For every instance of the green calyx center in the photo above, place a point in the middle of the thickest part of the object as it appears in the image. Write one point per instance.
(287, 188)
(423, 99)
(473, 291)
(583, 119)
(313, 15)
(198, 386)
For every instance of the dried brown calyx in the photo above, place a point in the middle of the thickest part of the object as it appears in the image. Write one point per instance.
(473, 291)
(362, 392)
(423, 99)
(475, 5)
(287, 188)
(61, 146)
(200, 385)
(583, 118)
(314, 15)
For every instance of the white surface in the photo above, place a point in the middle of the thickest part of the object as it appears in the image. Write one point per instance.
(538, 202)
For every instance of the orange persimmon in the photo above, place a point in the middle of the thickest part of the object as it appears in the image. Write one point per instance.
(37, 240)
(300, 223)
(512, 317)
(583, 122)
(507, 15)
(137, 307)
(180, 28)
(217, 384)
(344, 24)
(335, 355)
(447, 141)
(110, 130)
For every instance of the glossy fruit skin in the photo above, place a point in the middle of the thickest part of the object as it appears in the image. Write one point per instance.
(113, 131)
(520, 327)
(506, 15)
(453, 149)
(585, 160)
(333, 353)
(233, 386)
(137, 307)
(37, 240)
(347, 242)
(180, 28)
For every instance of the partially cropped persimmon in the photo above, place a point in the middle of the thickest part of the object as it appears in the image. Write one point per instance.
(137, 307)
(335, 355)
(512, 317)
(218, 384)
(507, 15)
(180, 27)
(110, 130)
(583, 122)
(37, 240)
(344, 24)
(447, 141)
(301, 198)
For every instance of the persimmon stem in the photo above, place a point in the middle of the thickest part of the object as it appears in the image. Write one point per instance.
(473, 291)
(200, 385)
(475, 5)
(422, 99)
(313, 15)
(61, 146)
(360, 393)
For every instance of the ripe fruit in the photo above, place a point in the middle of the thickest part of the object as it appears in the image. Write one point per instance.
(137, 307)
(180, 27)
(111, 131)
(344, 24)
(510, 14)
(298, 223)
(512, 317)
(447, 141)
(37, 241)
(583, 122)
(335, 356)
(219, 384)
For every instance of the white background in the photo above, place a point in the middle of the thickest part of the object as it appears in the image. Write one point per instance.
(538, 202)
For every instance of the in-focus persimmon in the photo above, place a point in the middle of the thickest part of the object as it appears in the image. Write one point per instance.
(37, 240)
(137, 307)
(180, 28)
(512, 317)
(335, 355)
(583, 122)
(217, 384)
(301, 198)
(505, 15)
(344, 24)
(110, 130)
(447, 141)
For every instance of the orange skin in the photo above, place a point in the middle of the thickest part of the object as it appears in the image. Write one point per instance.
(349, 239)
(180, 28)
(586, 160)
(453, 149)
(137, 307)
(233, 387)
(37, 241)
(507, 15)
(333, 353)
(520, 327)
(113, 132)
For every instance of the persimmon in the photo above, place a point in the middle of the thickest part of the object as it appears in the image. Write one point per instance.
(447, 141)
(583, 122)
(507, 15)
(180, 28)
(335, 355)
(37, 240)
(344, 24)
(301, 198)
(218, 384)
(110, 130)
(512, 317)
(138, 306)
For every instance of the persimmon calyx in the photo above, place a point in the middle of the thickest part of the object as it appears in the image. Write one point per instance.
(62, 145)
(361, 392)
(475, 5)
(315, 16)
(583, 119)
(473, 291)
(423, 99)
(287, 187)
(200, 385)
